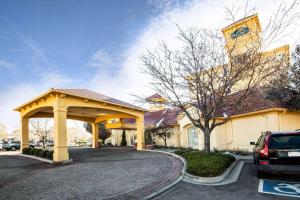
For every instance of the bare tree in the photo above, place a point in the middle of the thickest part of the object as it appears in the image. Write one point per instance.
(285, 87)
(162, 131)
(3, 132)
(104, 133)
(16, 134)
(205, 80)
(40, 128)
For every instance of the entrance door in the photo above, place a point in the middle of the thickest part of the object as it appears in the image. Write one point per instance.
(193, 138)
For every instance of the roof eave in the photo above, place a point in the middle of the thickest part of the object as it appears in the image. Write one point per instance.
(33, 100)
(239, 22)
(53, 90)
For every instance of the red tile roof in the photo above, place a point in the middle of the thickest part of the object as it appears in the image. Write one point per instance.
(156, 95)
(256, 101)
(89, 94)
(166, 117)
(238, 21)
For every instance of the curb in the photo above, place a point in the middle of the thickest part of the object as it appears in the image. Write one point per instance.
(150, 196)
(229, 176)
(36, 158)
(45, 160)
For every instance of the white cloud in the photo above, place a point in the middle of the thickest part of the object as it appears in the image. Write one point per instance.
(6, 64)
(201, 14)
(28, 42)
(16, 95)
(100, 59)
(54, 79)
(129, 79)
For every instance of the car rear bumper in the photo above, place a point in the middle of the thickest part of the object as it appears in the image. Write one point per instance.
(284, 169)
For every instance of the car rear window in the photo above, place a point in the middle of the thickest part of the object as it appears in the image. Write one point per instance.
(285, 141)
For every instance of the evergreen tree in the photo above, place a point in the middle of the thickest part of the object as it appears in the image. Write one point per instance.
(285, 87)
(123, 141)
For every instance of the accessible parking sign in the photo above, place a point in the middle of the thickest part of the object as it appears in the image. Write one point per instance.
(282, 188)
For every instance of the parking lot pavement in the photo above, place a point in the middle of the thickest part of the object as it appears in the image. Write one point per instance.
(105, 173)
(14, 168)
(245, 188)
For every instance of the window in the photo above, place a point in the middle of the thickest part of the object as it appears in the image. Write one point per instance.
(291, 141)
(262, 141)
(239, 32)
(193, 138)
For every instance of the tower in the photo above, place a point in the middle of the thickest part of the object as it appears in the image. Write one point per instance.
(157, 102)
(243, 35)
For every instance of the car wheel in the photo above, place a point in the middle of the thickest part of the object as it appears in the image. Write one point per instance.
(13, 148)
(261, 174)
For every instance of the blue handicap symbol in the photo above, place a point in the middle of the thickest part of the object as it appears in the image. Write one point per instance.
(280, 188)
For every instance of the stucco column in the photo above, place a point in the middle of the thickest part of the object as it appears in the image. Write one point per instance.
(95, 132)
(140, 133)
(24, 133)
(60, 134)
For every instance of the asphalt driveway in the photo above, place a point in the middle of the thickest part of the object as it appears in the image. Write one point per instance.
(106, 173)
(245, 188)
(117, 173)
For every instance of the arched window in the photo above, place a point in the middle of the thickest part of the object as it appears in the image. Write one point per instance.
(193, 138)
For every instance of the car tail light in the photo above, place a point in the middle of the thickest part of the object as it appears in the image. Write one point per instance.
(264, 153)
(263, 162)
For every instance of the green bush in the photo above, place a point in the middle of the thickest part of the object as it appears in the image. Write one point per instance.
(30, 150)
(34, 152)
(26, 151)
(123, 141)
(44, 153)
(205, 165)
(50, 155)
(40, 152)
(37, 152)
(181, 151)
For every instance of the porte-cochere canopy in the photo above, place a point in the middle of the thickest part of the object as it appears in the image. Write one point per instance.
(79, 104)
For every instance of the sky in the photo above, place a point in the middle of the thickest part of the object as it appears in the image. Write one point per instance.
(97, 44)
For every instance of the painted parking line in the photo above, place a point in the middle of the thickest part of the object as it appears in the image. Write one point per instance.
(282, 188)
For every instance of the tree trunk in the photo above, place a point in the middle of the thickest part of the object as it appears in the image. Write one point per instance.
(207, 141)
(43, 141)
(165, 140)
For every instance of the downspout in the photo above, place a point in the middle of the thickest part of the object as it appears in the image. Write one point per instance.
(279, 118)
(228, 143)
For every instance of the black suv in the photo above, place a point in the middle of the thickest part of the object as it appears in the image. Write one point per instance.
(277, 152)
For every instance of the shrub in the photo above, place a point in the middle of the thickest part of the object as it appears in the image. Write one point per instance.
(37, 152)
(205, 165)
(123, 141)
(34, 152)
(50, 155)
(25, 151)
(30, 150)
(40, 152)
(181, 151)
(45, 153)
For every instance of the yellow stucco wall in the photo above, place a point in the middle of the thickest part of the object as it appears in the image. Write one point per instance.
(289, 121)
(236, 134)
(116, 137)
(240, 44)
(172, 141)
